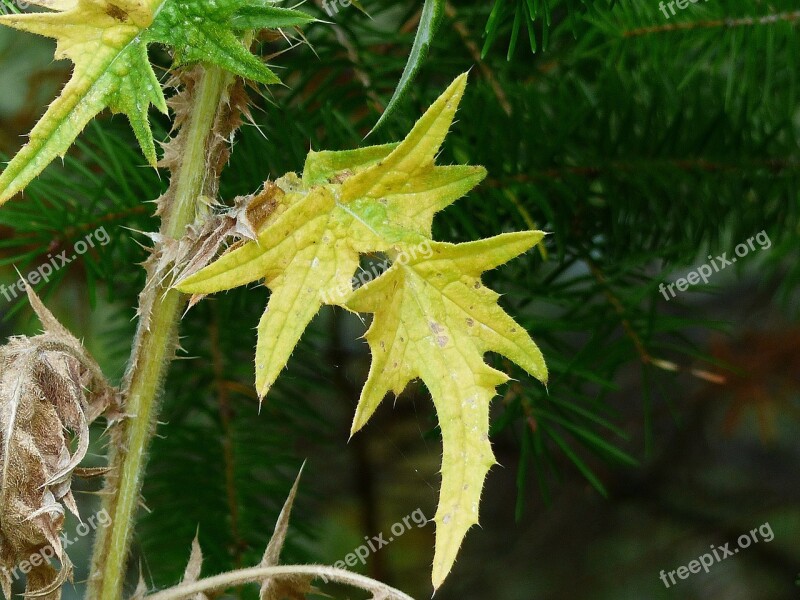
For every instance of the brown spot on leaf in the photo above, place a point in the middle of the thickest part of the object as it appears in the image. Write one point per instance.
(263, 204)
(341, 177)
(115, 12)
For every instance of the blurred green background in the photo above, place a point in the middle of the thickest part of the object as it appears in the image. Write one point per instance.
(643, 147)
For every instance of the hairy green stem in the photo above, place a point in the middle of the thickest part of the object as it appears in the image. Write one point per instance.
(154, 346)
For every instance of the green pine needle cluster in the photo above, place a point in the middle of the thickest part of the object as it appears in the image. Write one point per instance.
(643, 145)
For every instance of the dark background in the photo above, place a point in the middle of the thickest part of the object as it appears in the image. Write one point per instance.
(643, 148)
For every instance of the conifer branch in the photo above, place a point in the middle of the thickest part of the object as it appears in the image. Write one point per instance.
(788, 17)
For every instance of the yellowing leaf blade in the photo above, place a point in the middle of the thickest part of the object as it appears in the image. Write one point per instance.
(111, 69)
(323, 166)
(435, 320)
(417, 152)
(296, 298)
(462, 408)
(307, 257)
(499, 333)
(413, 204)
(107, 41)
(267, 257)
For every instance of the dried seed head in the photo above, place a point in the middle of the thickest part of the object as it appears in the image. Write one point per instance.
(50, 391)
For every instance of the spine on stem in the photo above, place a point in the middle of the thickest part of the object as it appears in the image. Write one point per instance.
(207, 113)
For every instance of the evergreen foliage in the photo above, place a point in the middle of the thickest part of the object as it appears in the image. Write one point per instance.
(642, 144)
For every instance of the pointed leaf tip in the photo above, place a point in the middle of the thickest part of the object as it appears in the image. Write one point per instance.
(430, 20)
(434, 320)
(272, 554)
(415, 154)
(112, 68)
(195, 564)
(258, 16)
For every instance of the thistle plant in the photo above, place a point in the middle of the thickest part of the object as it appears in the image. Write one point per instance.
(302, 235)
(539, 180)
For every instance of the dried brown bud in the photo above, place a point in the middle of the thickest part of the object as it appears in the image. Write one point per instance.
(50, 392)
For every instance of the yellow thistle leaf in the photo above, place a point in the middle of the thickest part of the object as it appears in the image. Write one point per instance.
(433, 317)
(309, 253)
(111, 70)
(107, 40)
(435, 320)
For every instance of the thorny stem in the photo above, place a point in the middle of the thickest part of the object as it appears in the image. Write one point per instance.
(153, 348)
(259, 574)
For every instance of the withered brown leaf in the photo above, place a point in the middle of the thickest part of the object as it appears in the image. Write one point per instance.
(51, 390)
